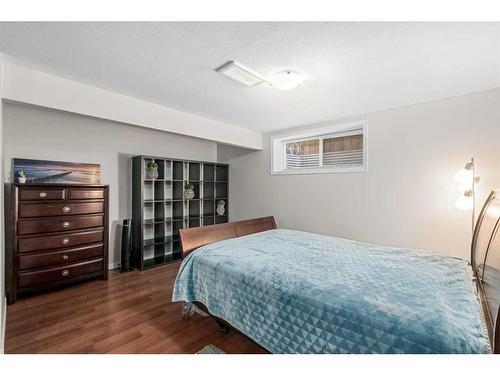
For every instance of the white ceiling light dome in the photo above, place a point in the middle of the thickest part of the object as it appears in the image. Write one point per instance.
(286, 80)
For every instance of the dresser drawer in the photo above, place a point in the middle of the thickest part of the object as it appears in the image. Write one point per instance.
(32, 226)
(55, 258)
(35, 194)
(89, 193)
(58, 209)
(58, 241)
(56, 274)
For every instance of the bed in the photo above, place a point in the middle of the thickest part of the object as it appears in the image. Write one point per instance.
(298, 292)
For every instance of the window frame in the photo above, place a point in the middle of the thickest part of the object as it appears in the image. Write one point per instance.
(278, 150)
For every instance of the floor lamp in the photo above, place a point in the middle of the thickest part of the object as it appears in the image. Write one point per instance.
(467, 180)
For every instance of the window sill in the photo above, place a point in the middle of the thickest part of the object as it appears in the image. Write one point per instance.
(321, 171)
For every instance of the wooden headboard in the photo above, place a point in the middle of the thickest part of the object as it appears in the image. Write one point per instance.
(193, 238)
(485, 260)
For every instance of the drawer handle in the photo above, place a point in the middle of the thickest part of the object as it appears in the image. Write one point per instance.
(42, 194)
(88, 195)
(65, 257)
(65, 273)
(66, 209)
(65, 241)
(66, 224)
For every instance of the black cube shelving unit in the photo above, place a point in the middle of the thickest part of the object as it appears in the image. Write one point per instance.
(159, 209)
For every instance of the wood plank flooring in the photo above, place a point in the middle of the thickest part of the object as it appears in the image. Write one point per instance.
(129, 313)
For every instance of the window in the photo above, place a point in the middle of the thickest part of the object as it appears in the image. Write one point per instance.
(339, 148)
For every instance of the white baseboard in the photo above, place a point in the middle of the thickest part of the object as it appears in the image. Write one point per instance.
(113, 265)
(3, 322)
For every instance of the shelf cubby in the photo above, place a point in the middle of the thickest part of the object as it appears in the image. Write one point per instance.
(159, 190)
(168, 190)
(196, 189)
(177, 190)
(168, 211)
(168, 230)
(177, 210)
(161, 168)
(208, 172)
(159, 232)
(159, 210)
(177, 170)
(194, 209)
(221, 173)
(221, 190)
(168, 170)
(148, 212)
(193, 223)
(148, 191)
(194, 171)
(208, 207)
(208, 220)
(168, 249)
(208, 189)
(220, 219)
(149, 252)
(176, 247)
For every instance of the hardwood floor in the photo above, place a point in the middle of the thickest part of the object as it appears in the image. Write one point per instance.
(129, 313)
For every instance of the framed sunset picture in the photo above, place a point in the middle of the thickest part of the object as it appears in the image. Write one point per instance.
(48, 171)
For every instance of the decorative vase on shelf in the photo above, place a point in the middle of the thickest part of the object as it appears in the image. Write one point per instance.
(188, 191)
(152, 173)
(188, 194)
(221, 209)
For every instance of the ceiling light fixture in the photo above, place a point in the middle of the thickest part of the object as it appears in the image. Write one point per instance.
(239, 73)
(286, 80)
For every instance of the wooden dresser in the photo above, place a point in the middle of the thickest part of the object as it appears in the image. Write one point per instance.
(56, 235)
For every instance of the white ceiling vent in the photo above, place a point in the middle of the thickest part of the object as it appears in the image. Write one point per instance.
(239, 73)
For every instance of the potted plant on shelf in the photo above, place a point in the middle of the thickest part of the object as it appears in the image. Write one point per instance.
(188, 191)
(221, 207)
(21, 177)
(152, 170)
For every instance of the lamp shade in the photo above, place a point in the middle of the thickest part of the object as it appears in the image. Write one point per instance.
(464, 203)
(464, 176)
(464, 187)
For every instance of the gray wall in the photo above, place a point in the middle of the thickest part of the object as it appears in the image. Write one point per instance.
(38, 133)
(407, 196)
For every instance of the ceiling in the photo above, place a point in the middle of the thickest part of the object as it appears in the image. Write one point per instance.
(349, 68)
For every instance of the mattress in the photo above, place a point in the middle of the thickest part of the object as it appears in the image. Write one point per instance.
(298, 292)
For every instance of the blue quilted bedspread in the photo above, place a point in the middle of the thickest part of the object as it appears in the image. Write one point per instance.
(297, 292)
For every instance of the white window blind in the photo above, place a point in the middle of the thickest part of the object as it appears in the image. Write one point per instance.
(302, 154)
(343, 150)
(334, 149)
